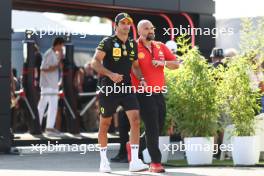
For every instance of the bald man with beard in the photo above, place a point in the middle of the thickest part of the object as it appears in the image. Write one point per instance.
(153, 56)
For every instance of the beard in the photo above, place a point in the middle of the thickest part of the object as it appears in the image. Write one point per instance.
(150, 37)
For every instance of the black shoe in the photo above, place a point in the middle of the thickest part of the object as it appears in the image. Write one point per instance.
(119, 159)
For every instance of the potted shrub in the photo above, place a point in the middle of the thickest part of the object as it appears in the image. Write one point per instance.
(192, 104)
(241, 101)
(241, 104)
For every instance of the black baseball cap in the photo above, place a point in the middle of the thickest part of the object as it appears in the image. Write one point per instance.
(121, 16)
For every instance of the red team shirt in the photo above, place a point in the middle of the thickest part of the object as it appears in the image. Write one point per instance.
(154, 76)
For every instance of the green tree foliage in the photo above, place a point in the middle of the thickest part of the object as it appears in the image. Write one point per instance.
(192, 97)
(238, 99)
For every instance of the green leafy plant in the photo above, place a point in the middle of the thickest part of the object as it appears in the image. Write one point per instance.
(237, 97)
(252, 35)
(192, 103)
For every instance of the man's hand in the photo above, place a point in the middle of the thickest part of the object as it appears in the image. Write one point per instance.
(172, 65)
(157, 63)
(116, 77)
(50, 69)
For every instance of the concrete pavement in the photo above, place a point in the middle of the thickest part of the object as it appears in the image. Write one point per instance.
(73, 164)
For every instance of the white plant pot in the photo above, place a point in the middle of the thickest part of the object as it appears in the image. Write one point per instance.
(164, 153)
(199, 150)
(246, 150)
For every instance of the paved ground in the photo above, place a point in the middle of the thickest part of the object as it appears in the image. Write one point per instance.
(66, 164)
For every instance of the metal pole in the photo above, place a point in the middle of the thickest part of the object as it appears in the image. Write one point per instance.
(88, 106)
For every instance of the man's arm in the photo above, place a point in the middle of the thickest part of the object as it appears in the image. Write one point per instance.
(172, 65)
(98, 67)
(170, 59)
(78, 80)
(137, 72)
(50, 68)
(61, 73)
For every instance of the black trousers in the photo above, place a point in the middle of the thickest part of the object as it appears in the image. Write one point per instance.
(152, 112)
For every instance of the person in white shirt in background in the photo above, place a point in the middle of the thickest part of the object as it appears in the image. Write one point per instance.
(49, 85)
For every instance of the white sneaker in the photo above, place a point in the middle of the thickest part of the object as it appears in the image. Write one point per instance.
(137, 165)
(105, 166)
(53, 132)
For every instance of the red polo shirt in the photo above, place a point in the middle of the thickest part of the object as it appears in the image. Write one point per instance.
(154, 76)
